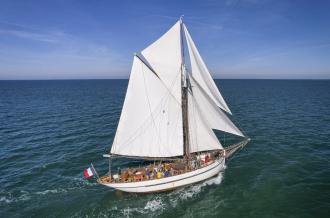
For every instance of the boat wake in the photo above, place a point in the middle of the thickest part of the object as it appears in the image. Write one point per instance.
(73, 183)
(154, 205)
(193, 190)
(8, 197)
(146, 205)
(158, 203)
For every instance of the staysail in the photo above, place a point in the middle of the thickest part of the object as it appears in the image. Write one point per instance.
(212, 115)
(204, 116)
(201, 135)
(150, 124)
(202, 75)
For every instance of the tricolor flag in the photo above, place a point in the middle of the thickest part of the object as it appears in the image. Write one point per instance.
(89, 172)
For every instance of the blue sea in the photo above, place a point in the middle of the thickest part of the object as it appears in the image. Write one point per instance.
(51, 130)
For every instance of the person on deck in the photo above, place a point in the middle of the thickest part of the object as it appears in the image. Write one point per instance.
(148, 172)
(155, 172)
(159, 175)
(172, 171)
(207, 158)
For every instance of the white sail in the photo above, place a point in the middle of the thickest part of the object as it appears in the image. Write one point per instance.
(159, 96)
(201, 136)
(151, 120)
(202, 75)
(151, 123)
(164, 56)
(213, 115)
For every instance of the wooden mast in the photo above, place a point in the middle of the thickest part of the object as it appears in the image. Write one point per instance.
(184, 100)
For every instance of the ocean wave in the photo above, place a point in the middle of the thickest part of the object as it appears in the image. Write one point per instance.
(79, 182)
(154, 205)
(14, 197)
(52, 191)
(8, 197)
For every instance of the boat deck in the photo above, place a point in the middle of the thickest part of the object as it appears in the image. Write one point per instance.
(157, 171)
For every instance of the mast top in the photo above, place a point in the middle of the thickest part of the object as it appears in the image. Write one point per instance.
(181, 18)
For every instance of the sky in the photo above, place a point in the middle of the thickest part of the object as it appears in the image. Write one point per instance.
(245, 39)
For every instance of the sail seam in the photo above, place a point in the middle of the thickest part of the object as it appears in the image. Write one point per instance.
(144, 124)
(152, 117)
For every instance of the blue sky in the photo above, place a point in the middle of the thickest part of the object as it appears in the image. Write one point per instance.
(71, 39)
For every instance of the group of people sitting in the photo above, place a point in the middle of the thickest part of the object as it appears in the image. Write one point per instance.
(161, 170)
(150, 172)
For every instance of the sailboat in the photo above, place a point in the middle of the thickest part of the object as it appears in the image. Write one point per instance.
(168, 118)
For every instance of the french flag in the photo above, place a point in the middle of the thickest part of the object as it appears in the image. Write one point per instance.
(89, 172)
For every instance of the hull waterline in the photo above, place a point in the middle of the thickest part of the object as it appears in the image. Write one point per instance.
(172, 182)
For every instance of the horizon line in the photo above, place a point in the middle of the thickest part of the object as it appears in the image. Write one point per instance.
(128, 79)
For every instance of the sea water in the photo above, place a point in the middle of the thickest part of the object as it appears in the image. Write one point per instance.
(51, 130)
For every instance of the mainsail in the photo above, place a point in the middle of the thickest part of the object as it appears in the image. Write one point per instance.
(151, 123)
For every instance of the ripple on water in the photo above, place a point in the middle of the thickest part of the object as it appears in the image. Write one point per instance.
(52, 130)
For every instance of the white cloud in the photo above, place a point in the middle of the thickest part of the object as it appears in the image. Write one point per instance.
(30, 35)
(65, 56)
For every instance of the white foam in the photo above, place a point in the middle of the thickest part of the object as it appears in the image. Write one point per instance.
(81, 182)
(193, 190)
(6, 200)
(126, 212)
(9, 198)
(154, 205)
(52, 191)
(214, 181)
(25, 196)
